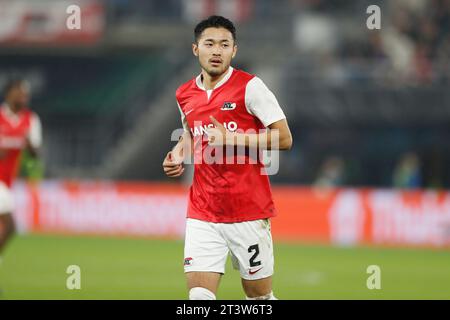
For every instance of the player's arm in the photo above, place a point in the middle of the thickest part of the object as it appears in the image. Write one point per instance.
(173, 162)
(261, 103)
(3, 147)
(34, 137)
(284, 135)
(277, 136)
(2, 150)
(34, 152)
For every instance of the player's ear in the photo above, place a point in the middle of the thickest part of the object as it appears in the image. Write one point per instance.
(195, 49)
(234, 51)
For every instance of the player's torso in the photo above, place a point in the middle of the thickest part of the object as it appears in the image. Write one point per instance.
(14, 129)
(223, 192)
(225, 103)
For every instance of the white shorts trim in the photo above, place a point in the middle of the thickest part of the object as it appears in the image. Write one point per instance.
(249, 243)
(6, 199)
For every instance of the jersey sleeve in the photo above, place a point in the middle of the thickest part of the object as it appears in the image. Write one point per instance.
(183, 119)
(262, 103)
(35, 132)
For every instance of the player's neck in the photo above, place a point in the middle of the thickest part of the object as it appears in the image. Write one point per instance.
(209, 82)
(10, 107)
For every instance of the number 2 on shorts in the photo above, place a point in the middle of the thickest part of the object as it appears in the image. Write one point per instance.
(255, 248)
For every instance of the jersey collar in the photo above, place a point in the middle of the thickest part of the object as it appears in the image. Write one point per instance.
(227, 76)
(8, 113)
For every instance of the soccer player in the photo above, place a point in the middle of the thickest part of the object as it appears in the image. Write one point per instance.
(229, 203)
(20, 129)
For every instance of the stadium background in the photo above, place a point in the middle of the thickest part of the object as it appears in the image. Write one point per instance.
(366, 182)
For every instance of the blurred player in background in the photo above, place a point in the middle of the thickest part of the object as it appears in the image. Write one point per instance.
(229, 204)
(20, 129)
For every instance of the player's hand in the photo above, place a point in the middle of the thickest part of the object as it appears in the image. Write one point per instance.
(217, 135)
(172, 168)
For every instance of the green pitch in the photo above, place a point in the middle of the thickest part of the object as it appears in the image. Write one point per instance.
(34, 267)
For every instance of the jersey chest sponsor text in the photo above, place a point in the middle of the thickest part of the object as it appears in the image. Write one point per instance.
(200, 129)
(13, 136)
(232, 115)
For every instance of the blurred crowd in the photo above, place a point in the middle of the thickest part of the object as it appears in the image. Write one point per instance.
(345, 88)
(335, 49)
(335, 171)
(412, 48)
(417, 41)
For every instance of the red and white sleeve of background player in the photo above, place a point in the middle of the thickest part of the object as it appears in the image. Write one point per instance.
(35, 131)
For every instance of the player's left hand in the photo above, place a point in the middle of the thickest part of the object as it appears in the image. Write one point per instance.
(217, 135)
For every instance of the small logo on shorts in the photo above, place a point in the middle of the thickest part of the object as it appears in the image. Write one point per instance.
(188, 261)
(253, 272)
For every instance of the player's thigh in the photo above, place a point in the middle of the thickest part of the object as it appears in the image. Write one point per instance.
(252, 250)
(7, 226)
(6, 200)
(208, 280)
(205, 254)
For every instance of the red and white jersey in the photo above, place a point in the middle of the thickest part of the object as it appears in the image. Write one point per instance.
(228, 192)
(15, 130)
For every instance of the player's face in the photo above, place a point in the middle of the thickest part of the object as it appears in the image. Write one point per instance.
(19, 96)
(215, 49)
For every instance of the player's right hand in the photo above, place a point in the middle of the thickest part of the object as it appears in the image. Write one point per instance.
(171, 168)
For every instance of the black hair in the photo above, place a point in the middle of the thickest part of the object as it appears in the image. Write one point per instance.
(214, 22)
(12, 84)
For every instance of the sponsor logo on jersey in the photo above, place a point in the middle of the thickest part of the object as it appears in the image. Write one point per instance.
(201, 130)
(228, 106)
(12, 142)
